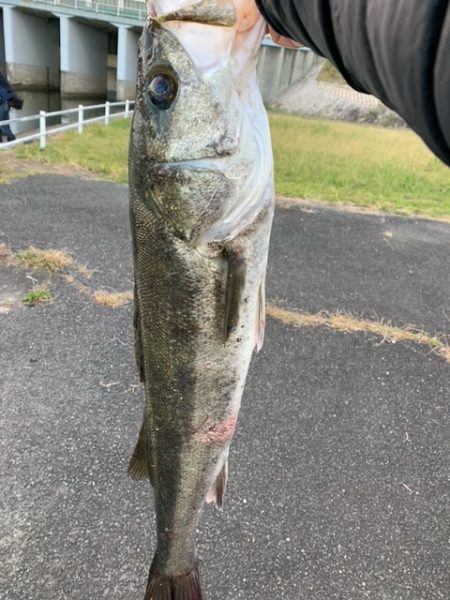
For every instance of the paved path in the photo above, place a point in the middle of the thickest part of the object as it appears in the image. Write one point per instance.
(340, 482)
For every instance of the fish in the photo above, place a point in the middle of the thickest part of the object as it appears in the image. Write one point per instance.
(201, 208)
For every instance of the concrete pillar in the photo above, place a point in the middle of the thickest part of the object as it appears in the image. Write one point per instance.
(126, 63)
(112, 66)
(2, 44)
(84, 52)
(278, 68)
(31, 49)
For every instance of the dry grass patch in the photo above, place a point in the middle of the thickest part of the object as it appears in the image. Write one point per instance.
(112, 299)
(348, 323)
(49, 260)
(85, 271)
(5, 251)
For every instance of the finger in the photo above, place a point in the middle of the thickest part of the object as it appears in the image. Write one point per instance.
(281, 40)
(247, 14)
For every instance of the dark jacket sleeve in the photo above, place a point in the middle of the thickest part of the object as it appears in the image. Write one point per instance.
(6, 91)
(397, 50)
(4, 84)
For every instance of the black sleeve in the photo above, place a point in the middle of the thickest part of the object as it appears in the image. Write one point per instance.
(397, 50)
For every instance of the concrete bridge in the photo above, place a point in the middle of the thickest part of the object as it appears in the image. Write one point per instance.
(88, 48)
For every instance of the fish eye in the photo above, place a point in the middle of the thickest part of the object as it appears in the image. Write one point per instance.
(162, 90)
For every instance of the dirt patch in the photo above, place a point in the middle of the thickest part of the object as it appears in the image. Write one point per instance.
(312, 205)
(12, 168)
(15, 292)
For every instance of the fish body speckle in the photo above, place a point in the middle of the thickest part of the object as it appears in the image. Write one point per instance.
(201, 207)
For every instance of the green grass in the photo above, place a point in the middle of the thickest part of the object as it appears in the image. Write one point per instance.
(36, 296)
(384, 169)
(5, 174)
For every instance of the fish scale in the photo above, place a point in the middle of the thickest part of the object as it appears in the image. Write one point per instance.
(199, 272)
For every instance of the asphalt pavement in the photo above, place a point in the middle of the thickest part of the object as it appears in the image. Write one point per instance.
(340, 470)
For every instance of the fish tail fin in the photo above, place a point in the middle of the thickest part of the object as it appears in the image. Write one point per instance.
(176, 587)
(138, 467)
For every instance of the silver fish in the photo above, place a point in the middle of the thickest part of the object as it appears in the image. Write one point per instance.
(201, 208)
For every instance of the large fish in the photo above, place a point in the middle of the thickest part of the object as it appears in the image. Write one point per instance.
(202, 198)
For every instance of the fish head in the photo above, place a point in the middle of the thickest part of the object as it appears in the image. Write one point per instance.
(198, 109)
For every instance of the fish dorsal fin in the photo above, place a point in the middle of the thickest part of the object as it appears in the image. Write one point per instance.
(205, 11)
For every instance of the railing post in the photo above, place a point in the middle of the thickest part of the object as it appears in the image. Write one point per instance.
(42, 130)
(127, 108)
(80, 118)
(107, 109)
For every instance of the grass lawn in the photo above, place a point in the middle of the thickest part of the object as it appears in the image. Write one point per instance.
(366, 166)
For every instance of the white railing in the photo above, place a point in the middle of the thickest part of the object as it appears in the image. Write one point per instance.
(45, 130)
(130, 9)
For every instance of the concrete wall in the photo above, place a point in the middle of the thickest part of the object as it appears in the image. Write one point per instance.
(31, 48)
(126, 63)
(278, 68)
(84, 52)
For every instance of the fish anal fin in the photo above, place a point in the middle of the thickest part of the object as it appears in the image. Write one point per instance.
(236, 276)
(176, 587)
(217, 492)
(138, 467)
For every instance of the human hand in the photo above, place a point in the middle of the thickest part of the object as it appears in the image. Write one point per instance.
(280, 40)
(248, 14)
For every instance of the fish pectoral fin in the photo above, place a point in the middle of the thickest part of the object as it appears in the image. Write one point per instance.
(138, 467)
(217, 492)
(138, 348)
(236, 276)
(260, 325)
